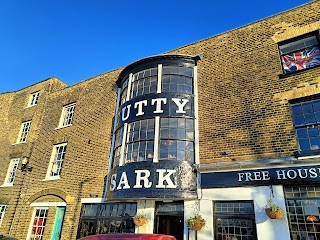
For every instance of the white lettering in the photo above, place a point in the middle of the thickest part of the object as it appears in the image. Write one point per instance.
(158, 101)
(113, 182)
(123, 181)
(257, 175)
(166, 178)
(180, 105)
(240, 177)
(281, 175)
(294, 174)
(139, 178)
(313, 173)
(248, 177)
(305, 172)
(139, 105)
(123, 112)
(265, 175)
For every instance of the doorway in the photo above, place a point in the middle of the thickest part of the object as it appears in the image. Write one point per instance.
(169, 219)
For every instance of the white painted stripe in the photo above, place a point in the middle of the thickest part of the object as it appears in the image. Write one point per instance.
(48, 204)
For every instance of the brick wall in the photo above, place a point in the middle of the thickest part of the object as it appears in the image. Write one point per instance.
(243, 108)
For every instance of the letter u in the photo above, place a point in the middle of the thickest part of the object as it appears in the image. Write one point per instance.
(124, 118)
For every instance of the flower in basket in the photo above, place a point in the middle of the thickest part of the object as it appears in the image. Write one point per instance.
(273, 210)
(140, 219)
(196, 223)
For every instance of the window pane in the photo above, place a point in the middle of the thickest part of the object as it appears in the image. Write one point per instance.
(304, 144)
(310, 118)
(315, 143)
(296, 109)
(307, 107)
(298, 120)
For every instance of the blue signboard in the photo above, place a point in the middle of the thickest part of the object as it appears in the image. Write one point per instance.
(259, 177)
(166, 179)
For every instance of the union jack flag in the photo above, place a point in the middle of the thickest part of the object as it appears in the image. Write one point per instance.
(301, 60)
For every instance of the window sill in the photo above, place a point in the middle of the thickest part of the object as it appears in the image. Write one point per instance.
(30, 106)
(284, 75)
(307, 154)
(50, 178)
(19, 143)
(63, 127)
(7, 185)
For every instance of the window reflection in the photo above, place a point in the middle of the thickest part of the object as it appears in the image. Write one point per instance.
(177, 139)
(140, 141)
(124, 90)
(177, 79)
(117, 148)
(144, 82)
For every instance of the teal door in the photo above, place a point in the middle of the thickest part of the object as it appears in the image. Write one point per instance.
(57, 227)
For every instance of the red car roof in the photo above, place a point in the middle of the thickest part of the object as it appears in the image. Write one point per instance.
(131, 236)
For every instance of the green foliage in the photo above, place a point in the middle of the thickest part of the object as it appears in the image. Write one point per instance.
(196, 219)
(274, 207)
(140, 216)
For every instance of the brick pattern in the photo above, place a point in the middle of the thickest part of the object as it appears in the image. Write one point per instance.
(243, 108)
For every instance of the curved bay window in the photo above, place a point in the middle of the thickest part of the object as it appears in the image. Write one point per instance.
(156, 118)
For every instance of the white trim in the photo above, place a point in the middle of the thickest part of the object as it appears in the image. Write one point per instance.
(111, 158)
(21, 129)
(37, 94)
(308, 157)
(52, 160)
(92, 200)
(3, 213)
(123, 144)
(51, 178)
(125, 126)
(48, 204)
(10, 170)
(196, 115)
(64, 113)
(156, 139)
(32, 219)
(6, 185)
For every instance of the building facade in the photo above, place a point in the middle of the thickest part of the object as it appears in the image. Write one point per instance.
(220, 128)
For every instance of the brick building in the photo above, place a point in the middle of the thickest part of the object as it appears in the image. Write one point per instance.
(217, 128)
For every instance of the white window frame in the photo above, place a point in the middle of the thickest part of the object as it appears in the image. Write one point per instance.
(11, 173)
(33, 99)
(29, 236)
(24, 130)
(56, 157)
(2, 212)
(67, 114)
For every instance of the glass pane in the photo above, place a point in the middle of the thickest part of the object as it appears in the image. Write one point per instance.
(296, 109)
(307, 107)
(315, 143)
(304, 144)
(302, 133)
(310, 118)
(316, 105)
(298, 120)
(313, 132)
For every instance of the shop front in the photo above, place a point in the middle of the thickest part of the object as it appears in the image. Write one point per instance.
(237, 201)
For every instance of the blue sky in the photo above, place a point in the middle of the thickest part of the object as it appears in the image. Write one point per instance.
(78, 39)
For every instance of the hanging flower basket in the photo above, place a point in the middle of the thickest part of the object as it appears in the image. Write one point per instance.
(273, 211)
(196, 223)
(140, 219)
